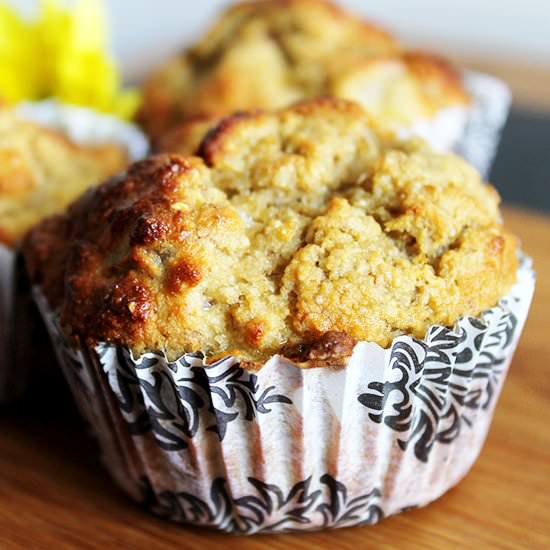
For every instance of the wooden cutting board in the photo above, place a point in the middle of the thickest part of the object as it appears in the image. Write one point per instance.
(54, 494)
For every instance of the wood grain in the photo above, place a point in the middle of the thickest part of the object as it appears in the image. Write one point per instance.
(53, 494)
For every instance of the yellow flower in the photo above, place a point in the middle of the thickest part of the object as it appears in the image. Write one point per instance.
(62, 54)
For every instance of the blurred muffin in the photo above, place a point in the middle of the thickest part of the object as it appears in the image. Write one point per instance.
(262, 54)
(269, 54)
(42, 171)
(297, 232)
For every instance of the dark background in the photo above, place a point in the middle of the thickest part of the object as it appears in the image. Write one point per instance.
(521, 171)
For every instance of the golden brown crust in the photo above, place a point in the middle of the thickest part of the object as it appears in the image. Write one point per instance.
(213, 141)
(42, 171)
(125, 213)
(297, 232)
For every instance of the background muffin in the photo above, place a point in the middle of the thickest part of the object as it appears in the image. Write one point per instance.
(42, 171)
(289, 229)
(270, 54)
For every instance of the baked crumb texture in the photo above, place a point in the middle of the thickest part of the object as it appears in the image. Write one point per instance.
(42, 171)
(272, 53)
(297, 232)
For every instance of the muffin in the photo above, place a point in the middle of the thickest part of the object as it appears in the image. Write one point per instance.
(42, 171)
(49, 154)
(304, 326)
(269, 54)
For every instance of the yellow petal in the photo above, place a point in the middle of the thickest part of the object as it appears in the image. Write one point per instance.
(18, 51)
(63, 54)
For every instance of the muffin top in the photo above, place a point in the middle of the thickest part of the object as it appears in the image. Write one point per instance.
(42, 171)
(297, 232)
(269, 54)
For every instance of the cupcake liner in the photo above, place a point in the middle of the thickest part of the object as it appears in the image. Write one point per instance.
(83, 126)
(488, 113)
(286, 448)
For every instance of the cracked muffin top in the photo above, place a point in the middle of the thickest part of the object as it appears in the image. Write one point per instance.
(296, 232)
(42, 171)
(269, 54)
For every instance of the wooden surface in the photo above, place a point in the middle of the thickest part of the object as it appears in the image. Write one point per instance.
(54, 495)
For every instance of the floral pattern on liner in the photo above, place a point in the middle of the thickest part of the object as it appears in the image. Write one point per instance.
(437, 386)
(166, 397)
(267, 508)
(297, 449)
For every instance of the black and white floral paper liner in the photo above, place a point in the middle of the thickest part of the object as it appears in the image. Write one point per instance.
(84, 126)
(286, 448)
